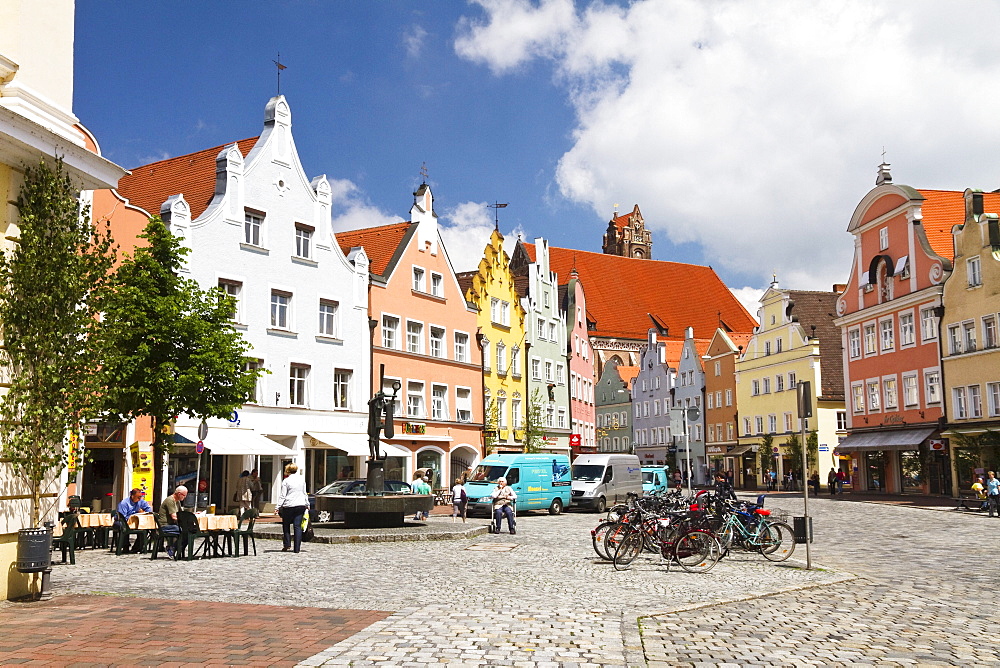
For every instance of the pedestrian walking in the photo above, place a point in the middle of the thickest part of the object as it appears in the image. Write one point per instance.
(841, 479)
(459, 500)
(993, 493)
(243, 495)
(678, 481)
(420, 486)
(831, 481)
(293, 502)
(814, 482)
(256, 490)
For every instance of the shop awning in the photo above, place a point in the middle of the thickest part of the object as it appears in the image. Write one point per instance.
(738, 450)
(354, 444)
(886, 439)
(393, 450)
(232, 441)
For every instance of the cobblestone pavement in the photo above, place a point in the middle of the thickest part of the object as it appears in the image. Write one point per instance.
(541, 597)
(925, 595)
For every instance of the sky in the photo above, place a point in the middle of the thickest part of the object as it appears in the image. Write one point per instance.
(747, 132)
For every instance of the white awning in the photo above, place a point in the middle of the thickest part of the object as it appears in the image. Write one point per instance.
(355, 445)
(232, 441)
(393, 450)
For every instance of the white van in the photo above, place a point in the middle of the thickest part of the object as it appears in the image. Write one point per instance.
(603, 480)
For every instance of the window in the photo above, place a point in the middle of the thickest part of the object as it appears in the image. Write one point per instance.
(870, 339)
(515, 413)
(710, 404)
(515, 362)
(390, 332)
(463, 404)
(461, 347)
(777, 345)
(718, 398)
(501, 358)
(303, 240)
(419, 284)
(932, 382)
(414, 337)
(548, 371)
(439, 402)
(486, 354)
(788, 422)
(989, 331)
(561, 418)
(767, 348)
(841, 420)
(975, 402)
(297, 385)
(502, 412)
(772, 424)
(969, 336)
(889, 389)
(256, 392)
(341, 388)
(415, 399)
(874, 400)
(536, 369)
(888, 336)
(907, 335)
(552, 332)
(854, 343)
(252, 224)
(755, 387)
(729, 431)
(746, 426)
(779, 383)
(959, 400)
(910, 397)
(883, 238)
(280, 302)
(928, 324)
(858, 391)
(437, 342)
(791, 380)
(437, 285)
(718, 368)
(638, 409)
(545, 298)
(954, 339)
(993, 398)
(759, 423)
(560, 374)
(550, 416)
(541, 329)
(767, 385)
(235, 290)
(327, 317)
(729, 397)
(973, 272)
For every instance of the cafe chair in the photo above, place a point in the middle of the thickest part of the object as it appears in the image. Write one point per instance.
(190, 532)
(250, 514)
(162, 540)
(85, 535)
(123, 532)
(102, 534)
(67, 541)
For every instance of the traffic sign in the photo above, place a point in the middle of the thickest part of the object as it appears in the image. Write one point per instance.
(199, 447)
(202, 430)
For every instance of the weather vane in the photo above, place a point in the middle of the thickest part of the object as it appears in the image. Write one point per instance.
(280, 67)
(496, 206)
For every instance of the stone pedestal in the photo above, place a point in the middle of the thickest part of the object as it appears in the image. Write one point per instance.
(375, 483)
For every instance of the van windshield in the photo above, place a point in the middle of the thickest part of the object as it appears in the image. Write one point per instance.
(588, 472)
(487, 473)
(647, 477)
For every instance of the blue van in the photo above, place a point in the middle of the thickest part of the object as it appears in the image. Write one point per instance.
(541, 481)
(655, 480)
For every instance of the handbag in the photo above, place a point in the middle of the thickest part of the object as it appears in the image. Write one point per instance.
(307, 530)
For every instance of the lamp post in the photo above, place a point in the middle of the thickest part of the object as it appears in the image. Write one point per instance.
(804, 390)
(685, 415)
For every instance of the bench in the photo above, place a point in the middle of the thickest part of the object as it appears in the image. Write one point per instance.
(968, 495)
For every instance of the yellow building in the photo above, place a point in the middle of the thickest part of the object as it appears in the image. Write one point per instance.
(491, 289)
(796, 341)
(36, 122)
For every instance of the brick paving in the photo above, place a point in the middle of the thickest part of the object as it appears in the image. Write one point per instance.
(82, 630)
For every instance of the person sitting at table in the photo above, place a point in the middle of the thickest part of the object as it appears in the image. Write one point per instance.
(133, 505)
(168, 513)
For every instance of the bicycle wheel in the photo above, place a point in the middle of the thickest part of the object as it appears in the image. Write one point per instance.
(627, 550)
(598, 537)
(777, 541)
(614, 535)
(697, 552)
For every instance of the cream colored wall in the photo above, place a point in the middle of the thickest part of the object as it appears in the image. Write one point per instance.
(14, 584)
(41, 43)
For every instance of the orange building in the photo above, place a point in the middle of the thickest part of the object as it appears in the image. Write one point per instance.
(424, 334)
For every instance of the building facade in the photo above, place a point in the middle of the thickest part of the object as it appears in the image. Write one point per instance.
(651, 401)
(573, 299)
(722, 448)
(260, 230)
(689, 392)
(889, 317)
(613, 408)
(627, 236)
(425, 341)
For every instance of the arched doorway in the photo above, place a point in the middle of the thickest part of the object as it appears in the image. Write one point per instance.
(463, 457)
(431, 458)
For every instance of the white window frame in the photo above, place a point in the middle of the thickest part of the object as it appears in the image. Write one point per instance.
(418, 407)
(958, 401)
(975, 402)
(415, 337)
(854, 342)
(439, 350)
(932, 386)
(993, 399)
(928, 324)
(463, 405)
(342, 388)
(870, 338)
(298, 385)
(911, 390)
(437, 284)
(439, 402)
(886, 335)
(304, 241)
(873, 390)
(329, 319)
(419, 279)
(974, 272)
(391, 332)
(253, 228)
(907, 329)
(461, 346)
(858, 397)
(281, 309)
(890, 393)
(233, 288)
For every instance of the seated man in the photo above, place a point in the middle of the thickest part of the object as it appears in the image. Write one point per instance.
(168, 514)
(133, 505)
(503, 498)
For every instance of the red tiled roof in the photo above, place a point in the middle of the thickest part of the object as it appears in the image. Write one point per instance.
(943, 209)
(380, 243)
(621, 291)
(628, 374)
(191, 175)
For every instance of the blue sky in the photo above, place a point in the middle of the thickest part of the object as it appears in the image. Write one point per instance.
(747, 132)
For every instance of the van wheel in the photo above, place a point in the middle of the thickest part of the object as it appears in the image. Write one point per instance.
(556, 508)
(601, 505)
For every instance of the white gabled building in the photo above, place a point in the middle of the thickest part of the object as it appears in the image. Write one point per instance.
(259, 228)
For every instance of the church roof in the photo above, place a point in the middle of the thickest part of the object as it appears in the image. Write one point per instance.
(380, 243)
(622, 294)
(191, 175)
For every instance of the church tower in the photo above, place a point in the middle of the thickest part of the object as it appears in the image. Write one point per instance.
(627, 236)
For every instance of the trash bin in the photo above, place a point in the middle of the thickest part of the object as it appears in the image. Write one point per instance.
(33, 547)
(802, 527)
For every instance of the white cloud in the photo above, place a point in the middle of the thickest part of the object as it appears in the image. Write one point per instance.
(352, 211)
(466, 231)
(754, 128)
(750, 298)
(413, 41)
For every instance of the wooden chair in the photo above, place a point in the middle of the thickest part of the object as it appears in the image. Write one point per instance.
(247, 534)
(67, 541)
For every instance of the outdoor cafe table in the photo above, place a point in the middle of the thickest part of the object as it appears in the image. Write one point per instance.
(101, 525)
(142, 521)
(215, 526)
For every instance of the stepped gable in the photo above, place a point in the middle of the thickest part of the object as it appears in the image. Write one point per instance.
(381, 243)
(818, 308)
(621, 292)
(942, 210)
(191, 175)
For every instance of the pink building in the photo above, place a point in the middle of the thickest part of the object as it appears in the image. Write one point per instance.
(583, 437)
(424, 333)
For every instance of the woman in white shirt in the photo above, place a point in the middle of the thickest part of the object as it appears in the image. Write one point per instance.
(293, 504)
(459, 500)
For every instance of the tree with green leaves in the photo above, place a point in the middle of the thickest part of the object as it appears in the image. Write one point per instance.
(793, 446)
(170, 347)
(491, 428)
(765, 455)
(812, 449)
(534, 422)
(49, 305)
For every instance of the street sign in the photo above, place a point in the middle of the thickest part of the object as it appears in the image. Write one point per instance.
(199, 447)
(574, 439)
(693, 414)
(202, 430)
